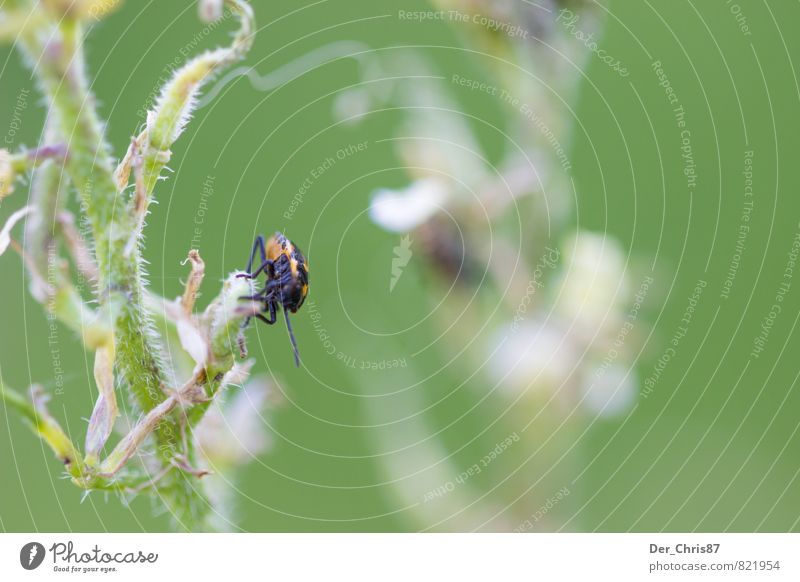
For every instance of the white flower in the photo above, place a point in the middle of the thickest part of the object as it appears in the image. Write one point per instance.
(235, 432)
(593, 281)
(609, 391)
(404, 210)
(532, 356)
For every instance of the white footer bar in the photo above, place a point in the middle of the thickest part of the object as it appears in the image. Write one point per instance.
(415, 557)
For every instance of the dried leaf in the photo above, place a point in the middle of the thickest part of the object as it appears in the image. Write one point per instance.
(192, 341)
(105, 410)
(122, 174)
(195, 279)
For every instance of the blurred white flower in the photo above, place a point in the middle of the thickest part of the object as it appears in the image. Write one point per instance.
(534, 356)
(233, 433)
(538, 357)
(404, 210)
(6, 174)
(593, 281)
(609, 391)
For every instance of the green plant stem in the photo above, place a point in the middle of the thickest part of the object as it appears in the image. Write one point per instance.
(90, 168)
(226, 316)
(174, 106)
(49, 284)
(55, 46)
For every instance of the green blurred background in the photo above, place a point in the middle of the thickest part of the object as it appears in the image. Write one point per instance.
(713, 447)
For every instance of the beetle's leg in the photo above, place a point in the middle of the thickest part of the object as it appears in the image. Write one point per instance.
(291, 338)
(258, 245)
(273, 315)
(268, 266)
(260, 296)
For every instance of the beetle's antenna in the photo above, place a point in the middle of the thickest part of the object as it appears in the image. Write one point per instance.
(291, 337)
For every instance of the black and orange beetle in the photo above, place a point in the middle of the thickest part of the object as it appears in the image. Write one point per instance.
(287, 280)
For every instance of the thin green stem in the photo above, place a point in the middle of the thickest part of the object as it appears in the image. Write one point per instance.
(90, 168)
(121, 330)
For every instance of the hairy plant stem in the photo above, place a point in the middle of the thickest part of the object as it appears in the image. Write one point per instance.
(226, 314)
(49, 284)
(90, 168)
(121, 330)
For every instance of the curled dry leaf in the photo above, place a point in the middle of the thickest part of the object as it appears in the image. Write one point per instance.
(105, 410)
(192, 340)
(195, 279)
